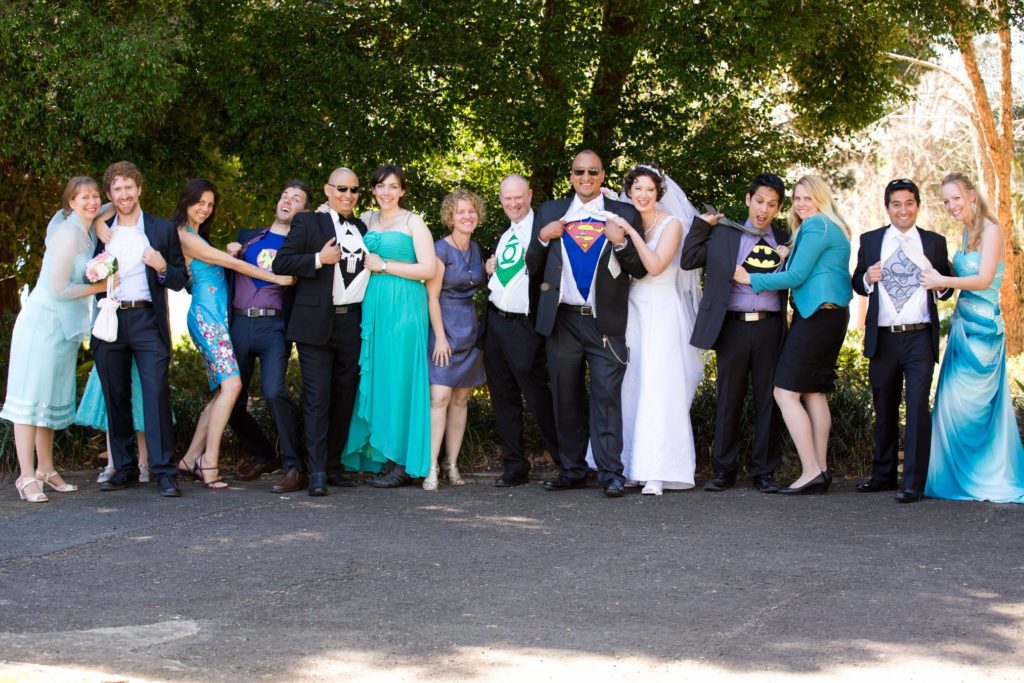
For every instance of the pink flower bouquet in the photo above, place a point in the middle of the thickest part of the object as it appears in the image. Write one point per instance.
(101, 267)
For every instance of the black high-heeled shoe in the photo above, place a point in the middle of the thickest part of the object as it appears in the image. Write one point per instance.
(828, 480)
(817, 485)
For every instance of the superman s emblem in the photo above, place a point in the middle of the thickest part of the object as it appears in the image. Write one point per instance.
(762, 258)
(585, 233)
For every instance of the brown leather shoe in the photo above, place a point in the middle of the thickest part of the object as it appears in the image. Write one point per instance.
(293, 480)
(254, 470)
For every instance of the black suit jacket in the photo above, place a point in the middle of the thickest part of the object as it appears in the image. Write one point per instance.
(312, 315)
(715, 249)
(545, 267)
(870, 253)
(288, 293)
(163, 237)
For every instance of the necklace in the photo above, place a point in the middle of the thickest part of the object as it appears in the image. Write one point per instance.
(465, 255)
(654, 224)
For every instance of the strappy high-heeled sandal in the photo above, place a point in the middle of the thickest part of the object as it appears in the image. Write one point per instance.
(45, 478)
(144, 474)
(22, 482)
(454, 478)
(217, 484)
(193, 472)
(430, 483)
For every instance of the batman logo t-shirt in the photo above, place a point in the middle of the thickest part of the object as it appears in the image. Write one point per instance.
(762, 258)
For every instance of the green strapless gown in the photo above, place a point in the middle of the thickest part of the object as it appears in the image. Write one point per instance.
(391, 420)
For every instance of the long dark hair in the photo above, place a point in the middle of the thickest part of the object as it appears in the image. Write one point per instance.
(191, 194)
(383, 172)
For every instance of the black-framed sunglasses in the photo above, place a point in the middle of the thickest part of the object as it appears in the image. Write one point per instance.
(345, 188)
(902, 181)
(592, 172)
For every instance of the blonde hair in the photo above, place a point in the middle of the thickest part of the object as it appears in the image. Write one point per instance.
(452, 200)
(979, 211)
(821, 196)
(72, 188)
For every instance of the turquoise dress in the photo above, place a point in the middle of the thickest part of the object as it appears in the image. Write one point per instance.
(391, 420)
(208, 321)
(976, 450)
(92, 410)
(48, 331)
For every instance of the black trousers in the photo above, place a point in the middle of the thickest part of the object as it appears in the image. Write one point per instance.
(905, 357)
(330, 379)
(516, 370)
(746, 353)
(574, 346)
(263, 339)
(138, 337)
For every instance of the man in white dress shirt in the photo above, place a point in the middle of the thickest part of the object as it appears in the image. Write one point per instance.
(901, 337)
(513, 350)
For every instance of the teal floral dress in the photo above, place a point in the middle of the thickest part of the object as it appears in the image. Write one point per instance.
(208, 321)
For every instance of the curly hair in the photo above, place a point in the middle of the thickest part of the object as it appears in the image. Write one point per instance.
(647, 170)
(123, 169)
(452, 200)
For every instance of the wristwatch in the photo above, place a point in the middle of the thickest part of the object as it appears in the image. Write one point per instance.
(384, 267)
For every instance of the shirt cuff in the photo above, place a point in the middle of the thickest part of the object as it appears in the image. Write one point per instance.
(868, 287)
(619, 247)
(316, 259)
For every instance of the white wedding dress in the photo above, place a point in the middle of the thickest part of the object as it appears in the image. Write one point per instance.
(661, 377)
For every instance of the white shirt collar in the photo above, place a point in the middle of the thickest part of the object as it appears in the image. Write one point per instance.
(596, 204)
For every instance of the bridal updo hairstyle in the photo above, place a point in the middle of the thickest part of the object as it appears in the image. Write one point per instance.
(646, 170)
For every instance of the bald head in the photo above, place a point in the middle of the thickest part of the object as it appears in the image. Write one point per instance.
(515, 195)
(343, 200)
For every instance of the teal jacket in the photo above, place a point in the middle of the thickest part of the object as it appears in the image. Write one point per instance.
(818, 270)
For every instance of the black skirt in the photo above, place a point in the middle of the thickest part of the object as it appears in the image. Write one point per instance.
(807, 362)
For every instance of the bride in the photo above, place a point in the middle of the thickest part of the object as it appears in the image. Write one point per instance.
(663, 370)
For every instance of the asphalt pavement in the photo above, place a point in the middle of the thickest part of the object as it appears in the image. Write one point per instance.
(479, 583)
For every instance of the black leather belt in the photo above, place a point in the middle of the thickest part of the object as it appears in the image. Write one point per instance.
(349, 308)
(752, 316)
(141, 303)
(581, 310)
(831, 307)
(505, 315)
(257, 312)
(899, 329)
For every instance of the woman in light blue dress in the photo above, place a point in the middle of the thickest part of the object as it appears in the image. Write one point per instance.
(44, 346)
(92, 413)
(208, 324)
(976, 451)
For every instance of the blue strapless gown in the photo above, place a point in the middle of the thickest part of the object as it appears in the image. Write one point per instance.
(976, 449)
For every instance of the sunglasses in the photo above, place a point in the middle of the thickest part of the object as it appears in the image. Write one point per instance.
(592, 172)
(902, 181)
(345, 188)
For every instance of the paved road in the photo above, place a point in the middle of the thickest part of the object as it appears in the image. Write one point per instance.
(478, 583)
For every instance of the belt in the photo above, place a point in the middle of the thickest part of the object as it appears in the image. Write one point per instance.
(581, 310)
(257, 312)
(830, 307)
(752, 316)
(141, 303)
(899, 329)
(506, 315)
(348, 308)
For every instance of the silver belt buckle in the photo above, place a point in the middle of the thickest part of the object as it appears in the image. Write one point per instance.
(587, 310)
(751, 317)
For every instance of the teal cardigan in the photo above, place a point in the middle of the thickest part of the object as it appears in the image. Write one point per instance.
(818, 270)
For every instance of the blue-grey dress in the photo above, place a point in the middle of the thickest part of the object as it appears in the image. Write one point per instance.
(49, 329)
(463, 276)
(976, 451)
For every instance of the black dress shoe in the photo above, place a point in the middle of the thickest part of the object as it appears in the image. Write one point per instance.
(318, 484)
(817, 485)
(255, 470)
(508, 480)
(614, 489)
(340, 480)
(765, 484)
(872, 486)
(119, 481)
(168, 485)
(393, 479)
(564, 483)
(909, 496)
(720, 482)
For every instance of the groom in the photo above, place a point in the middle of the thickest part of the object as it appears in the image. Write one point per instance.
(901, 337)
(583, 262)
(743, 327)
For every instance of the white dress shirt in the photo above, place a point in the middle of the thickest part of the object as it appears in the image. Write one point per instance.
(128, 245)
(915, 310)
(570, 293)
(513, 296)
(352, 265)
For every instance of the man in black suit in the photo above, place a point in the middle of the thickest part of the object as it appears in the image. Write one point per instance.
(743, 327)
(259, 316)
(901, 337)
(149, 261)
(325, 251)
(580, 264)
(513, 350)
